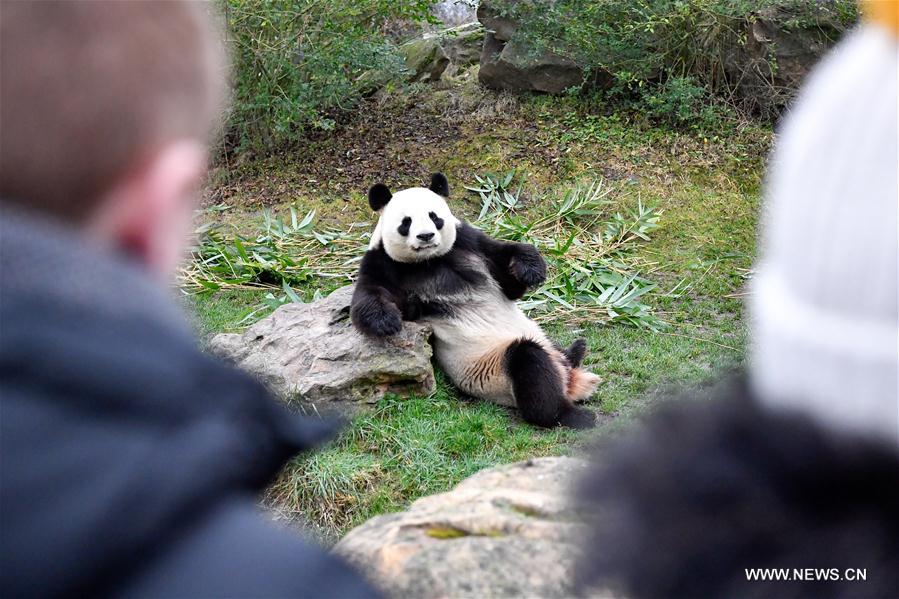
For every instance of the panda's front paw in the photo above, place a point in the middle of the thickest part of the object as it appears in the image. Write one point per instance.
(527, 266)
(385, 323)
(376, 319)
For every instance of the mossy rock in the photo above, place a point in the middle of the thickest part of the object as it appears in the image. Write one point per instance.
(312, 356)
(469, 543)
(424, 58)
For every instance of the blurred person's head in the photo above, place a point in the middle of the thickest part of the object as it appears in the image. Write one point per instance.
(823, 305)
(106, 111)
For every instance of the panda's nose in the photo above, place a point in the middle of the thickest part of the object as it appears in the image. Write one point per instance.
(425, 236)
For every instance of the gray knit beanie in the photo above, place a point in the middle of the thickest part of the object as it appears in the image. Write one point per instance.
(823, 303)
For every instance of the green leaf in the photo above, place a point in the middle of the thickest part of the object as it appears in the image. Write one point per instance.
(291, 293)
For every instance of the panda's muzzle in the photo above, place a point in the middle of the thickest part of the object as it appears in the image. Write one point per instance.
(425, 236)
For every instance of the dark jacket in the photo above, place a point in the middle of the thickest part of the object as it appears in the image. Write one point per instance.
(708, 492)
(130, 462)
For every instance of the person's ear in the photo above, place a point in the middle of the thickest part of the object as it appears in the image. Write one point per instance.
(148, 213)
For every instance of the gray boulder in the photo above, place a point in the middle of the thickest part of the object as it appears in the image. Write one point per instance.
(765, 54)
(507, 63)
(449, 50)
(509, 531)
(312, 355)
(462, 45)
(424, 58)
(774, 49)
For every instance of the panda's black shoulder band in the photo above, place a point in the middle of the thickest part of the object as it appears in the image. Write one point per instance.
(378, 196)
(439, 185)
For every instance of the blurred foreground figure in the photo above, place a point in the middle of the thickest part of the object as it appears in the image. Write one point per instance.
(131, 462)
(796, 467)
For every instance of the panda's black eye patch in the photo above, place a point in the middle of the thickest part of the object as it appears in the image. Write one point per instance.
(438, 222)
(403, 229)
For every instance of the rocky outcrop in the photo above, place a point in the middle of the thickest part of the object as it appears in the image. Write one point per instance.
(507, 63)
(424, 58)
(509, 531)
(428, 57)
(766, 63)
(312, 355)
(762, 56)
(462, 45)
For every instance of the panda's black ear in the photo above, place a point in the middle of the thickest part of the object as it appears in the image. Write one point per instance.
(378, 196)
(439, 185)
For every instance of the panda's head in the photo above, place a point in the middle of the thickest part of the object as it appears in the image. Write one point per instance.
(415, 224)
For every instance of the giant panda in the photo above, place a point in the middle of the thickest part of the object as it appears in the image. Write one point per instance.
(426, 265)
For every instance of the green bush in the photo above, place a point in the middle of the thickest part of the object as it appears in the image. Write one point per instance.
(297, 62)
(664, 57)
(680, 102)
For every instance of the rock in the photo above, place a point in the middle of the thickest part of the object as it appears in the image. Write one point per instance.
(508, 531)
(765, 54)
(510, 66)
(429, 56)
(424, 58)
(462, 45)
(507, 63)
(496, 22)
(312, 355)
(777, 48)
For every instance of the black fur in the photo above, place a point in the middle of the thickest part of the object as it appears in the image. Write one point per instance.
(388, 292)
(576, 352)
(403, 229)
(416, 308)
(438, 222)
(707, 489)
(384, 282)
(439, 185)
(538, 391)
(378, 196)
(376, 313)
(517, 267)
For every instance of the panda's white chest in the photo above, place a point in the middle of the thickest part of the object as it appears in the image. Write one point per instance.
(479, 318)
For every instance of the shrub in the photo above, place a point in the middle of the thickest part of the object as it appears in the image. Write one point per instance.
(680, 102)
(296, 62)
(666, 57)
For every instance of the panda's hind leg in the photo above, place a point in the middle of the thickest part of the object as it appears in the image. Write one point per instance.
(576, 352)
(581, 383)
(539, 389)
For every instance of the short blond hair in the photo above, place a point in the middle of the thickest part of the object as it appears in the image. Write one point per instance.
(90, 88)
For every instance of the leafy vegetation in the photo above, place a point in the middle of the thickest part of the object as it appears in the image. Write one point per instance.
(591, 274)
(591, 277)
(693, 195)
(296, 61)
(667, 58)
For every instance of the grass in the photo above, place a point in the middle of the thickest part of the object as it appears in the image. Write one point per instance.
(705, 185)
(406, 448)
(592, 274)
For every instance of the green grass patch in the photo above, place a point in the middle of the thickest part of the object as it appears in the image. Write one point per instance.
(223, 312)
(404, 449)
(704, 188)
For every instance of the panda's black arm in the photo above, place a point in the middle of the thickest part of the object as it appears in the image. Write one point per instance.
(517, 267)
(376, 307)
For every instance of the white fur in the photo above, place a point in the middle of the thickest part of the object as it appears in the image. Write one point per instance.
(415, 203)
(489, 323)
(470, 346)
